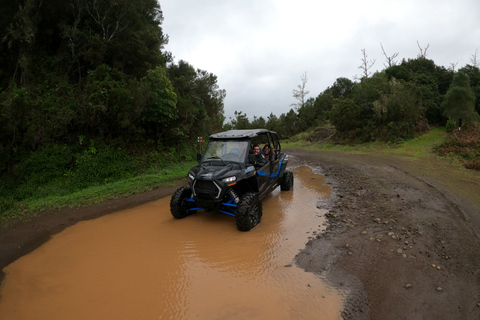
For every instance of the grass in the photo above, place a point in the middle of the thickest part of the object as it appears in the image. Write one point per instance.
(421, 146)
(417, 147)
(150, 180)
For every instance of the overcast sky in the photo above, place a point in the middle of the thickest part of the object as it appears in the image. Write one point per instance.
(259, 49)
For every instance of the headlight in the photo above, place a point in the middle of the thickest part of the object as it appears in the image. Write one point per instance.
(191, 177)
(229, 179)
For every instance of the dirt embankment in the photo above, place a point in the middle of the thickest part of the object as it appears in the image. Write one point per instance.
(402, 238)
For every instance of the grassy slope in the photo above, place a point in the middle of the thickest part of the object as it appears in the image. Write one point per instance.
(145, 182)
(421, 146)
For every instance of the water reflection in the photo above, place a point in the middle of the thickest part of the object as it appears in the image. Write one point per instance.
(142, 264)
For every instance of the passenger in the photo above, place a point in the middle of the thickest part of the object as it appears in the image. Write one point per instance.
(267, 152)
(259, 159)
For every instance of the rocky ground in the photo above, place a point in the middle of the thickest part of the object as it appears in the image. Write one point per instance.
(402, 238)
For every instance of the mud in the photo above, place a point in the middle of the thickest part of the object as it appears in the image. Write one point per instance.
(401, 240)
(403, 236)
(142, 264)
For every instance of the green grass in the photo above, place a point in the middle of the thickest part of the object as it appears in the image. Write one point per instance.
(150, 180)
(420, 146)
(417, 147)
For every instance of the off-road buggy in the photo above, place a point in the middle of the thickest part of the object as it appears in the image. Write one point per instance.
(226, 180)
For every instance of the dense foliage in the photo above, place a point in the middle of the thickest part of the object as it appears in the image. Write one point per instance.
(87, 94)
(395, 104)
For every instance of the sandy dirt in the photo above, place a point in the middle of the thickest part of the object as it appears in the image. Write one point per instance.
(402, 236)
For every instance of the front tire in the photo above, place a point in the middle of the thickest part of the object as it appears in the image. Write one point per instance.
(287, 181)
(179, 205)
(249, 212)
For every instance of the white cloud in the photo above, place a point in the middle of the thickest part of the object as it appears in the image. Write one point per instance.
(259, 49)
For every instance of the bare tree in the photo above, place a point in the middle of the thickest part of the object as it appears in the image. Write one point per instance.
(72, 32)
(300, 93)
(474, 59)
(365, 66)
(453, 66)
(109, 17)
(423, 52)
(390, 60)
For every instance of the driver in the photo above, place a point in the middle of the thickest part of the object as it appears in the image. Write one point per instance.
(259, 159)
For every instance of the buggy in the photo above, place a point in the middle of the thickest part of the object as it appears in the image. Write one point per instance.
(226, 179)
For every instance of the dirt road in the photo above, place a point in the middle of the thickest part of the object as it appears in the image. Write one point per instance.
(402, 238)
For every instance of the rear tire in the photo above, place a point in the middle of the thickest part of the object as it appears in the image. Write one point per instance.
(287, 181)
(179, 205)
(249, 212)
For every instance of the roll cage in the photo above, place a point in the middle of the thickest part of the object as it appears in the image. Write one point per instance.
(236, 145)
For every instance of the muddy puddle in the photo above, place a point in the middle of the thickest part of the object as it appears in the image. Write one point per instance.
(143, 264)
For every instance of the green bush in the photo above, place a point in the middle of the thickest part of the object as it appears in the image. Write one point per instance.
(451, 125)
(104, 165)
(6, 203)
(37, 169)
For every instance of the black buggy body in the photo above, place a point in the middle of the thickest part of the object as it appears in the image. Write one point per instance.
(227, 180)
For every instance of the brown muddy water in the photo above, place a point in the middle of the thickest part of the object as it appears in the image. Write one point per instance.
(143, 264)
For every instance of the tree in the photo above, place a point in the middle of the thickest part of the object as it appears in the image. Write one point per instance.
(200, 101)
(307, 115)
(258, 122)
(300, 93)
(347, 118)
(390, 59)
(459, 101)
(366, 65)
(342, 88)
(211, 97)
(474, 59)
(423, 52)
(453, 66)
(241, 121)
(398, 72)
(474, 75)
(161, 103)
(397, 113)
(272, 122)
(288, 124)
(323, 104)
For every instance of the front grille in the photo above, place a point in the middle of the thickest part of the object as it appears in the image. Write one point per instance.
(207, 190)
(205, 186)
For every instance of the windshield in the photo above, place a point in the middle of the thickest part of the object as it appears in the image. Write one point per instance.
(226, 150)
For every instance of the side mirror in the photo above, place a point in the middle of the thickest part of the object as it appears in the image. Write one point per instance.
(199, 157)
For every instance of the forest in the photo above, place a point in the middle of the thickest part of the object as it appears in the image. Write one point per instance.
(88, 92)
(401, 102)
(89, 95)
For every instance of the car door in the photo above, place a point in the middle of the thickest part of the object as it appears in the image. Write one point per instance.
(276, 161)
(268, 175)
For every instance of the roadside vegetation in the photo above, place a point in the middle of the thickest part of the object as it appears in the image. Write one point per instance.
(464, 148)
(420, 146)
(92, 107)
(47, 192)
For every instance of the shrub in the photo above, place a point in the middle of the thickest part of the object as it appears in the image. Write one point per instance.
(37, 169)
(100, 166)
(451, 125)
